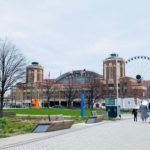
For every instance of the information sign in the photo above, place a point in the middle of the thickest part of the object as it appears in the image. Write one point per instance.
(110, 101)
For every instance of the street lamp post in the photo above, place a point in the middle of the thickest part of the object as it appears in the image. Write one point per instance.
(116, 79)
(118, 107)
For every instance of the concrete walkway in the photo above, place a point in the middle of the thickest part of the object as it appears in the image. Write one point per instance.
(123, 134)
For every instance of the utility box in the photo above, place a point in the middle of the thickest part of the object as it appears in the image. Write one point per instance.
(112, 111)
(111, 107)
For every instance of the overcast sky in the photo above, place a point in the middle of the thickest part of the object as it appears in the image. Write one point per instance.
(65, 35)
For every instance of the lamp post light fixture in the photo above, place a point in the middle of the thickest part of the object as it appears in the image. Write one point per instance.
(118, 106)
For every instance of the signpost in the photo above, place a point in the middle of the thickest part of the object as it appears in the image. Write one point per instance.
(82, 104)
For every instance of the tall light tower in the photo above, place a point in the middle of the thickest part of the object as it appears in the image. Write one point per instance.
(116, 79)
(118, 107)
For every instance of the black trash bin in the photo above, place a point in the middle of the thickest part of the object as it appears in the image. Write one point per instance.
(112, 111)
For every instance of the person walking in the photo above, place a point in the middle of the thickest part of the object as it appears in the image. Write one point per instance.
(144, 112)
(135, 112)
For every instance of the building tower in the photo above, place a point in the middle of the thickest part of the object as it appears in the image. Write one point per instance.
(109, 72)
(34, 73)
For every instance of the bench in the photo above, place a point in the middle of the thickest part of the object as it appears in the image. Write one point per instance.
(6, 114)
(95, 118)
(56, 122)
(98, 117)
(56, 117)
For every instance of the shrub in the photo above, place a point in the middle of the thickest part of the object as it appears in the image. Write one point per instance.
(28, 127)
(3, 122)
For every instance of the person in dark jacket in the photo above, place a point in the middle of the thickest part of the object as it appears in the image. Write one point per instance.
(135, 112)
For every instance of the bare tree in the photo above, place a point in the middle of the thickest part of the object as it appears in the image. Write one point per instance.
(70, 90)
(94, 91)
(48, 92)
(49, 83)
(55, 94)
(70, 95)
(12, 68)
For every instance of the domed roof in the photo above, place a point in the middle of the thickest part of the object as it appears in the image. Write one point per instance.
(113, 56)
(35, 65)
(78, 76)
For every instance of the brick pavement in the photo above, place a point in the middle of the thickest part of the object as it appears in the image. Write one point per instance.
(117, 135)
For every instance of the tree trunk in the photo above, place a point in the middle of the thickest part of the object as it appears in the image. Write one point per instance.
(91, 98)
(89, 102)
(69, 103)
(48, 103)
(1, 104)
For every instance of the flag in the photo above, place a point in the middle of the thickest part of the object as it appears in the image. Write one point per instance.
(49, 75)
(82, 72)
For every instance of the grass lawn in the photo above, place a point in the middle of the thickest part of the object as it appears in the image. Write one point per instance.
(53, 111)
(13, 125)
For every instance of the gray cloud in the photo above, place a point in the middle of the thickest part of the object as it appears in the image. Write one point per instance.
(63, 35)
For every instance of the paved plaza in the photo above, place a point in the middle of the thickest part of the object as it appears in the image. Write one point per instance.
(123, 134)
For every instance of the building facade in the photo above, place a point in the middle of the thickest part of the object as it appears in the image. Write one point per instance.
(65, 90)
(34, 73)
(127, 86)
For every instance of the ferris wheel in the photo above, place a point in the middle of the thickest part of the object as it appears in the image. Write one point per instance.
(138, 67)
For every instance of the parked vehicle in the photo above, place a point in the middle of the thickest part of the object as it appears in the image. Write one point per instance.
(57, 106)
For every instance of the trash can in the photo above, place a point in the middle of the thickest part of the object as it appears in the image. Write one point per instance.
(112, 111)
